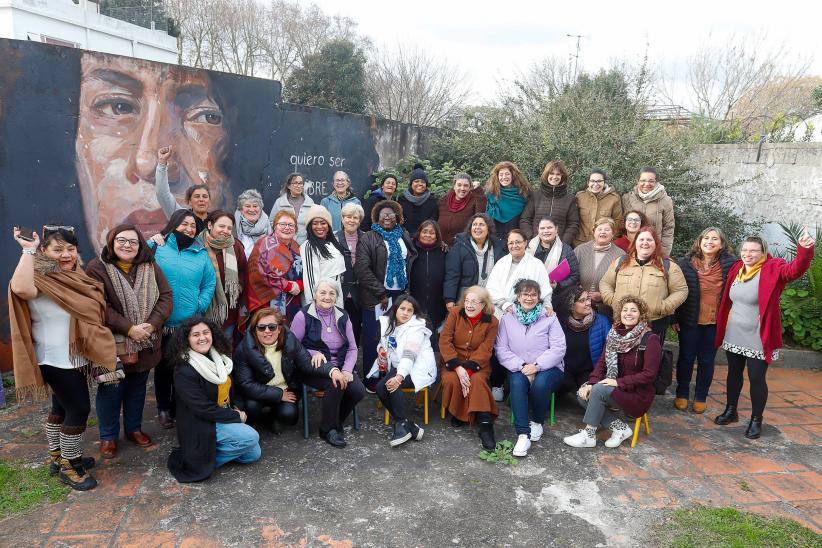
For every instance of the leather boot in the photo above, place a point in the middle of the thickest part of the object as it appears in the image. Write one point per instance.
(486, 435)
(54, 462)
(75, 476)
(728, 416)
(754, 428)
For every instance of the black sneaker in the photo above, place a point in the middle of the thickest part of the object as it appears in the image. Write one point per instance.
(401, 433)
(370, 385)
(333, 437)
(486, 435)
(416, 431)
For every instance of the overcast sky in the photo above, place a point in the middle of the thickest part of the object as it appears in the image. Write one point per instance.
(492, 41)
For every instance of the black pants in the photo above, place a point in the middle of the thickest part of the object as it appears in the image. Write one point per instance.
(395, 402)
(756, 377)
(336, 404)
(281, 410)
(164, 382)
(70, 404)
(572, 380)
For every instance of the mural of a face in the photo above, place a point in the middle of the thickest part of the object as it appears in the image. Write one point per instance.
(129, 108)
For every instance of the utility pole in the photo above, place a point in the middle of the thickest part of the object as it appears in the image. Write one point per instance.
(576, 56)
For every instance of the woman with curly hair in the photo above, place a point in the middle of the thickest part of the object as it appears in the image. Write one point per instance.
(210, 431)
(623, 378)
(508, 194)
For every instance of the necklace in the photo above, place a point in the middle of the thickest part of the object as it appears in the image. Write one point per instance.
(328, 326)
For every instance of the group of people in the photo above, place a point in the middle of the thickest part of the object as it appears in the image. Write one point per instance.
(236, 311)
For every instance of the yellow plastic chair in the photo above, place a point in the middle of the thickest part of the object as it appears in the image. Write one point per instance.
(636, 428)
(421, 394)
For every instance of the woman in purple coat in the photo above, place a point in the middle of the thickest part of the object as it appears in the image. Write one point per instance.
(623, 378)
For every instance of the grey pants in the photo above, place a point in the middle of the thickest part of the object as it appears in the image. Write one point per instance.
(599, 407)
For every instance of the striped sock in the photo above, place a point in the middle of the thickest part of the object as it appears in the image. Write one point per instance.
(70, 446)
(53, 424)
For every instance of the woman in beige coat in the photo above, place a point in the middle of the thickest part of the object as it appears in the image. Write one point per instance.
(595, 202)
(650, 198)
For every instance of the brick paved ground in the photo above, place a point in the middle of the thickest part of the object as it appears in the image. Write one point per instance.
(437, 492)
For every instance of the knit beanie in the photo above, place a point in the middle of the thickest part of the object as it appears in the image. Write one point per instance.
(317, 212)
(418, 173)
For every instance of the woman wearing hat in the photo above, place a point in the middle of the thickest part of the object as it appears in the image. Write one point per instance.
(322, 254)
(418, 204)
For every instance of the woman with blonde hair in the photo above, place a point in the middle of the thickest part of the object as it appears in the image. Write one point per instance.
(508, 194)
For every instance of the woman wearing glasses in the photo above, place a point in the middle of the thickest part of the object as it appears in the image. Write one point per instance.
(595, 202)
(275, 269)
(58, 332)
(634, 220)
(585, 332)
(649, 197)
(138, 303)
(384, 258)
(337, 200)
(294, 200)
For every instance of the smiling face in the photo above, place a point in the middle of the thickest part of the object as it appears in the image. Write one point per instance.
(387, 218)
(603, 234)
(221, 228)
(633, 222)
(710, 243)
(268, 334)
(389, 186)
(596, 182)
(461, 188)
(646, 182)
(555, 177)
(320, 228)
(582, 306)
(505, 177)
(129, 108)
(418, 186)
(251, 211)
(528, 299)
(428, 236)
(404, 312)
(199, 338)
(473, 305)
(751, 253)
(516, 246)
(479, 230)
(63, 252)
(284, 229)
(325, 296)
(296, 186)
(188, 226)
(351, 223)
(126, 246)
(341, 183)
(629, 315)
(645, 245)
(547, 231)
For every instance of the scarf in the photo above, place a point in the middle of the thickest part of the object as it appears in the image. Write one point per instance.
(215, 368)
(507, 206)
(602, 248)
(91, 344)
(416, 200)
(487, 263)
(553, 256)
(395, 271)
(277, 266)
(252, 230)
(455, 205)
(426, 247)
(137, 302)
(184, 241)
(581, 325)
(224, 299)
(620, 344)
(651, 195)
(746, 274)
(527, 318)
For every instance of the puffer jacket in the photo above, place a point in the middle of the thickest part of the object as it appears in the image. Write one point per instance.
(462, 268)
(662, 293)
(659, 211)
(554, 202)
(189, 274)
(688, 312)
(371, 264)
(595, 206)
(414, 215)
(282, 203)
(334, 206)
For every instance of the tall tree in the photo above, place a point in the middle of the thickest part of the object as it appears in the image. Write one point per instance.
(331, 78)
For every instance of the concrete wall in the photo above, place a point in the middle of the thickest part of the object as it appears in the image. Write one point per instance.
(80, 24)
(779, 182)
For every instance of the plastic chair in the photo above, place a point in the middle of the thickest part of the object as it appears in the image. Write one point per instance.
(636, 428)
(551, 416)
(422, 393)
(319, 394)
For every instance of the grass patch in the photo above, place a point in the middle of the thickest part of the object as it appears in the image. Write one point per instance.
(22, 488)
(733, 528)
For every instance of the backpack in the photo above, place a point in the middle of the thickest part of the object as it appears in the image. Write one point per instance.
(665, 375)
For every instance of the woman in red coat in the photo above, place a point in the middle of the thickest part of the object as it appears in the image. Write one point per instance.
(749, 323)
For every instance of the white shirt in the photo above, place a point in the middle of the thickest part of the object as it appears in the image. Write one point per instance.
(50, 332)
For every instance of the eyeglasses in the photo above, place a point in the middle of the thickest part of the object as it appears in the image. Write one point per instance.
(516, 243)
(632, 220)
(472, 302)
(388, 215)
(300, 183)
(340, 180)
(261, 327)
(647, 180)
(126, 241)
(528, 296)
(596, 181)
(287, 225)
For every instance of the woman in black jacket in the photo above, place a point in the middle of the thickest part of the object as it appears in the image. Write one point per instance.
(418, 204)
(472, 257)
(209, 430)
(267, 366)
(705, 269)
(428, 273)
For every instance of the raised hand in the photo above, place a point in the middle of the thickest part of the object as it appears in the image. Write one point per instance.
(806, 241)
(163, 154)
(25, 244)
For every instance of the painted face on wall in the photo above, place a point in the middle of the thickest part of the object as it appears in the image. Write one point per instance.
(129, 109)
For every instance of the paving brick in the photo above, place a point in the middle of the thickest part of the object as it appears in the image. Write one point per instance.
(790, 415)
(146, 539)
(793, 486)
(89, 516)
(781, 511)
(743, 489)
(756, 464)
(799, 434)
(619, 466)
(713, 463)
(148, 512)
(79, 541)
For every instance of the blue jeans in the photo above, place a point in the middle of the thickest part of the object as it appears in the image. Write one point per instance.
(695, 343)
(129, 395)
(537, 393)
(236, 441)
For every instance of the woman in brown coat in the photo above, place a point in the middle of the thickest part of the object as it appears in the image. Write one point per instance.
(466, 344)
(650, 198)
(595, 202)
(554, 201)
(138, 302)
(458, 206)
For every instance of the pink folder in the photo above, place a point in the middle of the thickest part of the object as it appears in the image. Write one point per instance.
(562, 271)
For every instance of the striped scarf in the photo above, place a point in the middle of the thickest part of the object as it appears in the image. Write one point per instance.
(227, 291)
(620, 344)
(137, 302)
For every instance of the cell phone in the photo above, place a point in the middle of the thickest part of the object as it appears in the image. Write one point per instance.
(26, 234)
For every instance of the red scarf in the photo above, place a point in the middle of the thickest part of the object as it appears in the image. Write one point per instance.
(455, 205)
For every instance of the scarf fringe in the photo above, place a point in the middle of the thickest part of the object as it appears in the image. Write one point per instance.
(31, 392)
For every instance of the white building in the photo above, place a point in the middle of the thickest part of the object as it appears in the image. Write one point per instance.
(64, 23)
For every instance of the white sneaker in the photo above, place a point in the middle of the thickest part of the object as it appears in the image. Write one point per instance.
(522, 446)
(498, 392)
(580, 439)
(618, 435)
(536, 431)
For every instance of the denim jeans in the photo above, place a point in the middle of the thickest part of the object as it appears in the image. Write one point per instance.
(537, 394)
(695, 343)
(129, 395)
(237, 441)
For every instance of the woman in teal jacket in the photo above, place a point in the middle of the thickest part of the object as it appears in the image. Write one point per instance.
(187, 267)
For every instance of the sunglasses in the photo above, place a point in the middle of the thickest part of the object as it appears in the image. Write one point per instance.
(267, 327)
(48, 230)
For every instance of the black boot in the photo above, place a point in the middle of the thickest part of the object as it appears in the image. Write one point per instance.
(728, 416)
(486, 431)
(401, 433)
(455, 422)
(754, 428)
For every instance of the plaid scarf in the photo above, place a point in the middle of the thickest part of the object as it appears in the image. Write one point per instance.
(137, 302)
(227, 291)
(620, 344)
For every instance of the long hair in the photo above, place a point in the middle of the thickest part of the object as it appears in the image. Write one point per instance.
(175, 220)
(433, 224)
(696, 248)
(178, 349)
(319, 245)
(144, 253)
(656, 257)
(518, 179)
(392, 313)
(492, 228)
(284, 190)
(559, 165)
(255, 320)
(62, 233)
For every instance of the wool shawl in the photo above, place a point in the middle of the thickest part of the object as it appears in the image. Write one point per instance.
(529, 267)
(316, 268)
(552, 258)
(137, 302)
(228, 298)
(91, 344)
(509, 204)
(271, 261)
(395, 270)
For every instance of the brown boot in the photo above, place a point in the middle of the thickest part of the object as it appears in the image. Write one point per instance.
(75, 476)
(681, 403)
(54, 462)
